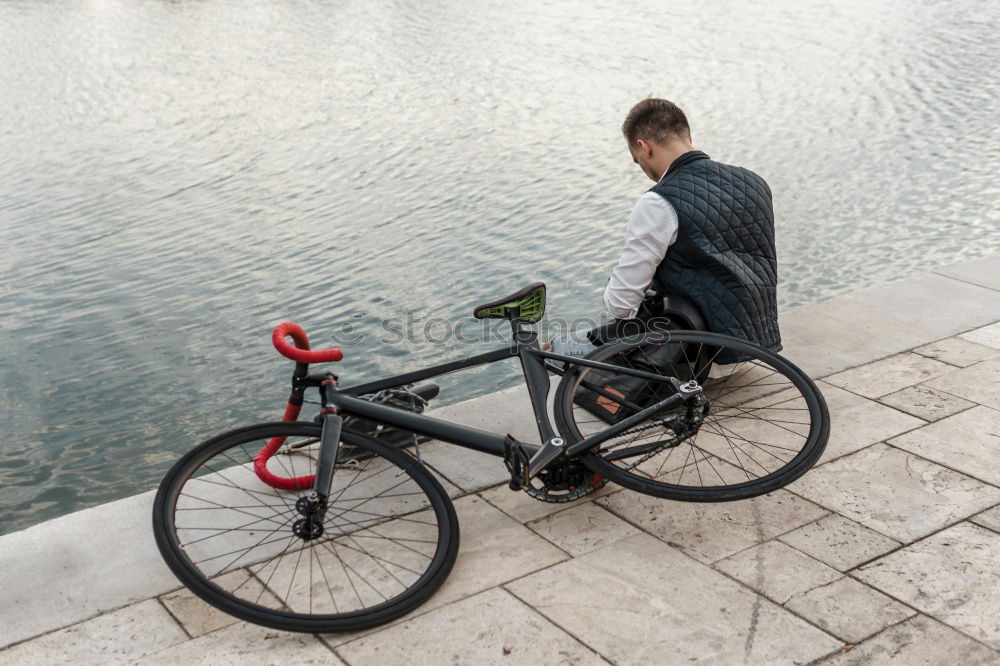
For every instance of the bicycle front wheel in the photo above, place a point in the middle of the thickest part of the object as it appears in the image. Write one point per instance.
(389, 537)
(761, 425)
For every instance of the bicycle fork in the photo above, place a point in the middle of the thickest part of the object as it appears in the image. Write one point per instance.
(314, 505)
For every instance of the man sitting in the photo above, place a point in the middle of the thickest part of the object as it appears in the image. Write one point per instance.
(703, 232)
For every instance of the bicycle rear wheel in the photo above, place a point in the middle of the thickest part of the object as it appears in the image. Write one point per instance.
(389, 540)
(762, 425)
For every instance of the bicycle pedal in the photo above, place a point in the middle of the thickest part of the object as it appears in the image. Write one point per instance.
(515, 459)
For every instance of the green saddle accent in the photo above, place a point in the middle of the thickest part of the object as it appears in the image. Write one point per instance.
(530, 301)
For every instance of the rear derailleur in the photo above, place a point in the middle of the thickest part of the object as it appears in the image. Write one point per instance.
(687, 421)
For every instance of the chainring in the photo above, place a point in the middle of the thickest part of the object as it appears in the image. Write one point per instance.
(564, 483)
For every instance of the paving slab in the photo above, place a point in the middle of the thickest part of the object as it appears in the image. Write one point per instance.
(849, 610)
(494, 548)
(839, 542)
(465, 468)
(984, 272)
(525, 508)
(244, 644)
(857, 422)
(198, 617)
(985, 335)
(834, 335)
(895, 492)
(968, 442)
(978, 383)
(958, 351)
(989, 519)
(888, 375)
(919, 641)
(762, 435)
(69, 557)
(501, 412)
(710, 532)
(953, 575)
(640, 601)
(777, 571)
(925, 402)
(492, 627)
(507, 411)
(847, 331)
(939, 306)
(118, 637)
(582, 528)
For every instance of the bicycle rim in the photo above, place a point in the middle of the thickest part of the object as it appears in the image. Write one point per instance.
(764, 425)
(390, 534)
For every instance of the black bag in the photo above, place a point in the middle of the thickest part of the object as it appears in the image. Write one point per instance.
(674, 360)
(620, 391)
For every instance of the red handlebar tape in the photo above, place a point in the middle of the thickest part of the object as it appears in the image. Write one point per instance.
(300, 352)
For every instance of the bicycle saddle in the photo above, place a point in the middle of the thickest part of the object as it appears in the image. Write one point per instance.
(529, 300)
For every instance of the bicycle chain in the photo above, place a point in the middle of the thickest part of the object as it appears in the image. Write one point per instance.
(675, 441)
(543, 494)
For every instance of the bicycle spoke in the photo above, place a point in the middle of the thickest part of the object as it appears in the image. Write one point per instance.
(741, 450)
(380, 533)
(751, 424)
(229, 508)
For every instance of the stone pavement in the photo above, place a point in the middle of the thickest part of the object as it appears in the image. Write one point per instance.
(887, 552)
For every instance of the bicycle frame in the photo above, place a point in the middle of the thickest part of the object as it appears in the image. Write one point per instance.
(535, 369)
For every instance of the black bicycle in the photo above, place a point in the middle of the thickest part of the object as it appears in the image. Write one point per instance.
(321, 526)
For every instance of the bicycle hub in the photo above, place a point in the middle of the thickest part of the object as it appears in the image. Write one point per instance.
(313, 509)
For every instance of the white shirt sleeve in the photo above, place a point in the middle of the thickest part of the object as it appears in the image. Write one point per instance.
(652, 227)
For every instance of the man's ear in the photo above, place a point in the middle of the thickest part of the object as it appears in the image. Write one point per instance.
(645, 149)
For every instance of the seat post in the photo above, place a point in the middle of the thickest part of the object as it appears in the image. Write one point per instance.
(535, 374)
(514, 317)
(517, 326)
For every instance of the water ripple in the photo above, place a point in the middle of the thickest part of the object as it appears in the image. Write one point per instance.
(180, 177)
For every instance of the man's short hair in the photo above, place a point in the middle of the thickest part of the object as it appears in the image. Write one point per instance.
(655, 120)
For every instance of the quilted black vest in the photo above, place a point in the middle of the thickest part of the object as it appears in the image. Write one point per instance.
(723, 259)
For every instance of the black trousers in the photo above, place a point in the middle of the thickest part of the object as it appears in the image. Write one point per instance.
(643, 322)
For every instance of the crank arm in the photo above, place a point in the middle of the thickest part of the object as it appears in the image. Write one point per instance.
(552, 449)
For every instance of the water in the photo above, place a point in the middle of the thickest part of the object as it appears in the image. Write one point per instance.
(178, 177)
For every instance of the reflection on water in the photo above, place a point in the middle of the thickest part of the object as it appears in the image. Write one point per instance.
(179, 177)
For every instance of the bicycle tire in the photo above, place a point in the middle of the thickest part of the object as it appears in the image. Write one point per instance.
(426, 509)
(603, 458)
